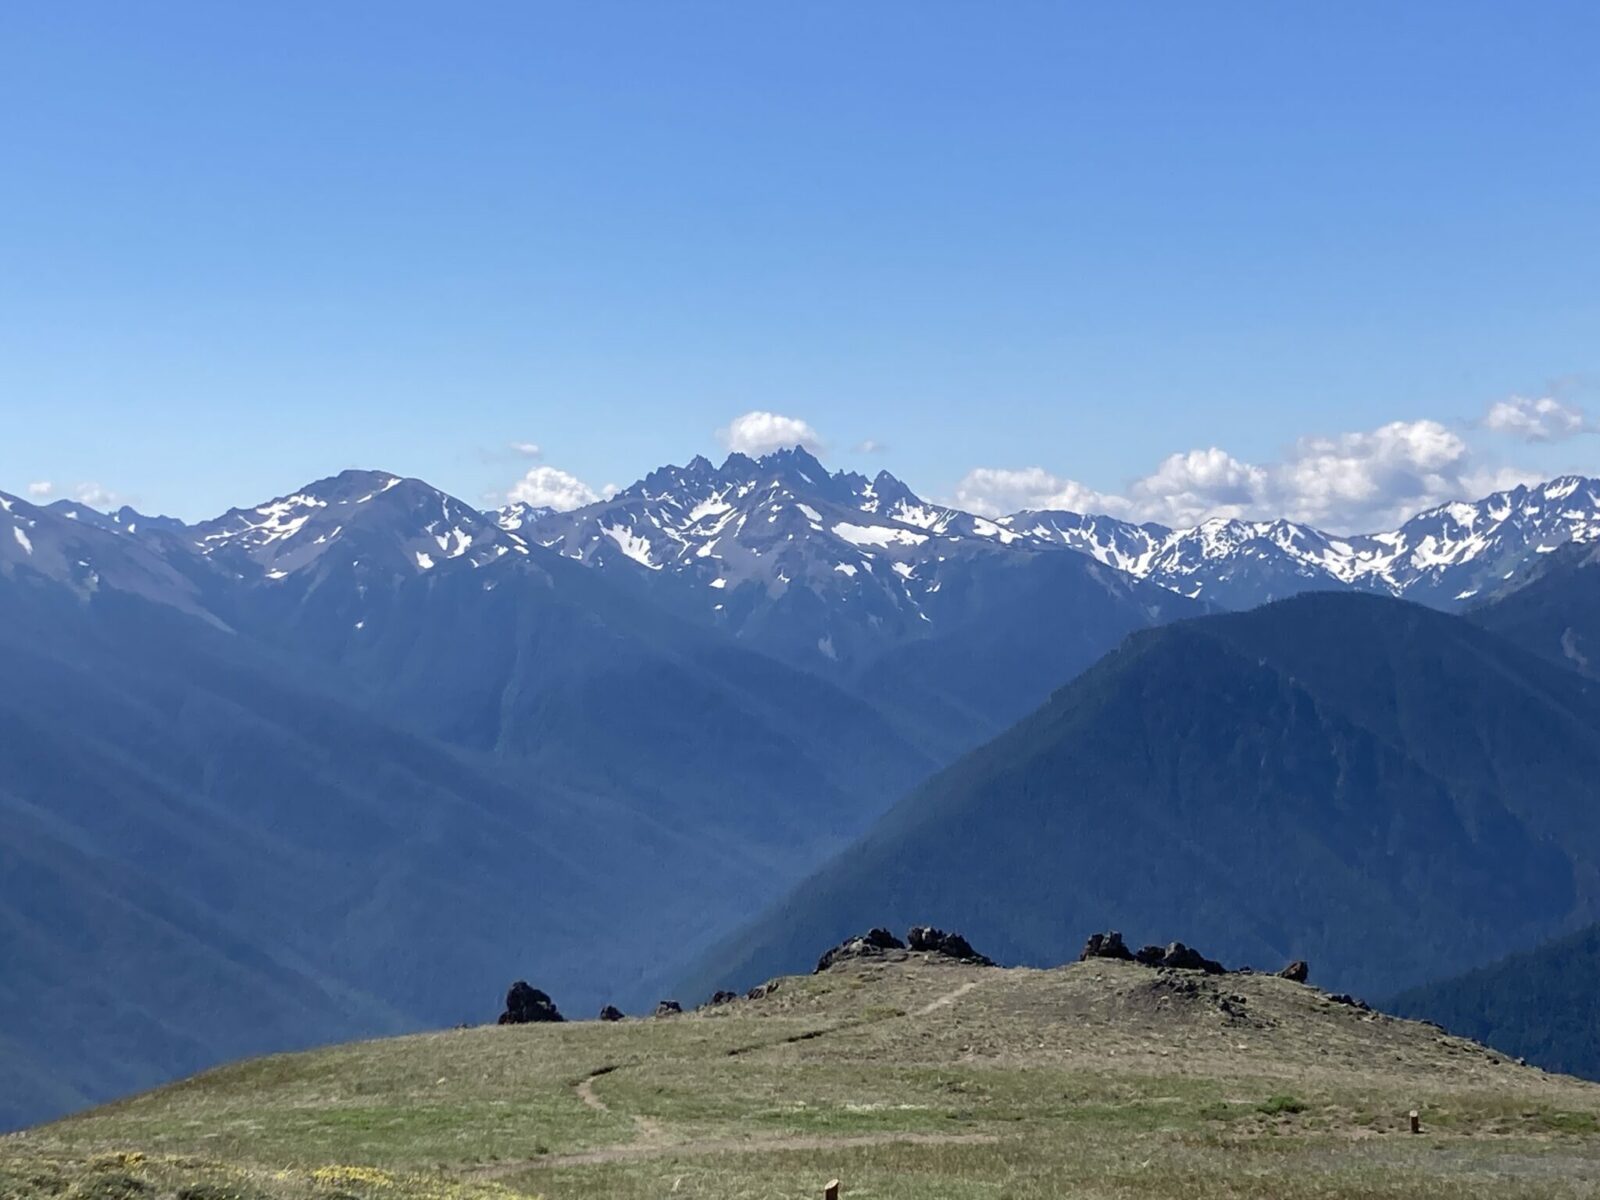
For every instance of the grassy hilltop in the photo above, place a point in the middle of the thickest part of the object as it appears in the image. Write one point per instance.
(916, 1077)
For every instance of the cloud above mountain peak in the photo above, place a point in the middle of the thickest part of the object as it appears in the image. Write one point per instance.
(551, 487)
(1349, 482)
(759, 432)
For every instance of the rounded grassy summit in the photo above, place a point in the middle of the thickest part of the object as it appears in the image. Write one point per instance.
(901, 1072)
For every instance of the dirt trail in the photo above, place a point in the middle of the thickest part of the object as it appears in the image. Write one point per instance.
(946, 1000)
(586, 1090)
(647, 1132)
(650, 1139)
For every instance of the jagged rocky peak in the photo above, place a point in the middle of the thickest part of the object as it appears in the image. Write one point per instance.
(675, 482)
(1444, 556)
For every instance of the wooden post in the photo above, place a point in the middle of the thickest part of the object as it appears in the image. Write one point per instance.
(1416, 1121)
(830, 1190)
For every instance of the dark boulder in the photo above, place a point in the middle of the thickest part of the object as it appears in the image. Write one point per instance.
(668, 1008)
(1298, 971)
(721, 998)
(952, 945)
(1150, 956)
(526, 1005)
(762, 990)
(1353, 1002)
(1186, 958)
(611, 1013)
(871, 944)
(1106, 945)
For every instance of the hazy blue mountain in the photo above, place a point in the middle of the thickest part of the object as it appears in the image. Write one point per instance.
(239, 824)
(950, 621)
(1541, 1004)
(1382, 789)
(1555, 609)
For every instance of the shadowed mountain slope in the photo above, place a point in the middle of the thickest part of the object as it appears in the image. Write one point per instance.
(1555, 611)
(216, 845)
(1384, 790)
(1542, 1004)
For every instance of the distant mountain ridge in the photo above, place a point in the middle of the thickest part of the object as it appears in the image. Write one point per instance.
(848, 578)
(688, 520)
(1443, 557)
(783, 522)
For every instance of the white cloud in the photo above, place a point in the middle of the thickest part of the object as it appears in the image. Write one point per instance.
(995, 491)
(526, 449)
(1349, 483)
(1372, 479)
(95, 496)
(549, 487)
(763, 432)
(1536, 420)
(870, 446)
(1190, 486)
(41, 489)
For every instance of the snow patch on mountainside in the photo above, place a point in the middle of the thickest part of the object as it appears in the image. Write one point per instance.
(878, 535)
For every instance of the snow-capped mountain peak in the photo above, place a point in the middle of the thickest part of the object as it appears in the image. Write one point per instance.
(1444, 556)
(391, 524)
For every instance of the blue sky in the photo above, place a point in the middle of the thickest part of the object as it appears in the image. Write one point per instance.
(1164, 259)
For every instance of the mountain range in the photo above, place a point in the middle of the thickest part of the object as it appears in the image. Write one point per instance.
(344, 760)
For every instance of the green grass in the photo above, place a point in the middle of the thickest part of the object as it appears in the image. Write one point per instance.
(917, 1079)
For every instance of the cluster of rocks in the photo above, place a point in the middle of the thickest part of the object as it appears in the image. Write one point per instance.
(952, 945)
(878, 943)
(1175, 955)
(528, 1005)
(525, 1004)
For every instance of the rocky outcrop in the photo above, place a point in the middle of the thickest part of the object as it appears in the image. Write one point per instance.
(923, 939)
(952, 945)
(872, 944)
(720, 998)
(1106, 945)
(1174, 954)
(528, 1005)
(611, 1013)
(1186, 958)
(668, 1008)
(1298, 971)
